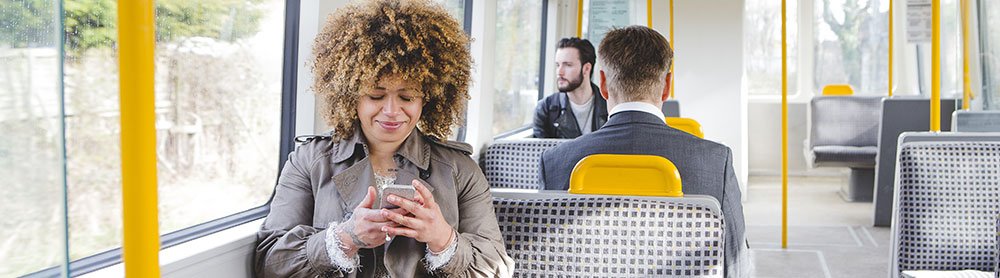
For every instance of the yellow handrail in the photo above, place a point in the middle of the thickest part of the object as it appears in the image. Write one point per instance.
(673, 46)
(141, 244)
(890, 48)
(966, 89)
(936, 66)
(784, 130)
(579, 19)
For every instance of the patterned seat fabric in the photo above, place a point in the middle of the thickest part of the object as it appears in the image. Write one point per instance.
(611, 236)
(996, 268)
(948, 198)
(514, 163)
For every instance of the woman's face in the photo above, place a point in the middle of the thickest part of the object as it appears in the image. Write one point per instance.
(389, 111)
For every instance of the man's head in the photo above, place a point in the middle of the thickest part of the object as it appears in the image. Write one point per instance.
(574, 63)
(636, 63)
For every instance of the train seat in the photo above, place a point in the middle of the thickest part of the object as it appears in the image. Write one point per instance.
(900, 114)
(975, 121)
(947, 200)
(843, 132)
(646, 175)
(687, 125)
(557, 234)
(514, 163)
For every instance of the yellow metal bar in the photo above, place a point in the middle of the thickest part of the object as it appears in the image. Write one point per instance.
(579, 19)
(135, 39)
(890, 48)
(674, 46)
(936, 66)
(649, 13)
(966, 89)
(784, 130)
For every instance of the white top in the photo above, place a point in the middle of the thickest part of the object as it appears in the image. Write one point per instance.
(583, 114)
(638, 106)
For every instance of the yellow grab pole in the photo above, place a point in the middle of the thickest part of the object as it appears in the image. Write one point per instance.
(674, 46)
(579, 19)
(966, 89)
(784, 130)
(649, 13)
(936, 66)
(135, 39)
(890, 48)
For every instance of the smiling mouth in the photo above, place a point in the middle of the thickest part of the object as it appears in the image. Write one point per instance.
(389, 125)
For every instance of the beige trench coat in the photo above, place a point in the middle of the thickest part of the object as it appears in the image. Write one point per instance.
(325, 179)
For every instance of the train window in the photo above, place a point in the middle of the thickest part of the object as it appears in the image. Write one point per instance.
(852, 45)
(218, 104)
(762, 47)
(31, 146)
(989, 28)
(516, 84)
(456, 8)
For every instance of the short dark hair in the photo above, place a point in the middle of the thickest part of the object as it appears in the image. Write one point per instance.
(636, 59)
(584, 47)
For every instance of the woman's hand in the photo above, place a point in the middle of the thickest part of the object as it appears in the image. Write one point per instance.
(364, 229)
(425, 222)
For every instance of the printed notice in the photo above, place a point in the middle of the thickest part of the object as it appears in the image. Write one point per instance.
(604, 14)
(919, 21)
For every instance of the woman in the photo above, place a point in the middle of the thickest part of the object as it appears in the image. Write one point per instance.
(394, 74)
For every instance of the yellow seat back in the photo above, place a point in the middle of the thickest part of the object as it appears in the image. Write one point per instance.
(686, 125)
(838, 90)
(623, 174)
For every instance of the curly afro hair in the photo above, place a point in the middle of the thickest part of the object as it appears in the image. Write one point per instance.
(413, 40)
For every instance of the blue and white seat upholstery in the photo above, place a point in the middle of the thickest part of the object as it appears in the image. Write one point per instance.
(556, 234)
(514, 163)
(947, 198)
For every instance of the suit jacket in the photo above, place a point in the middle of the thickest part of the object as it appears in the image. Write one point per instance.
(325, 179)
(554, 117)
(706, 168)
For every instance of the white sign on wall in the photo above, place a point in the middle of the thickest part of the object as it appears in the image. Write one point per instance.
(604, 14)
(919, 21)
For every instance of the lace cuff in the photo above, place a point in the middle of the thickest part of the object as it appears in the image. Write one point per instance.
(435, 260)
(335, 249)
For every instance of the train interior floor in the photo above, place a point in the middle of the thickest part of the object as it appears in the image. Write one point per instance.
(827, 236)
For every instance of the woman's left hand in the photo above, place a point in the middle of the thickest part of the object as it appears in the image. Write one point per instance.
(424, 222)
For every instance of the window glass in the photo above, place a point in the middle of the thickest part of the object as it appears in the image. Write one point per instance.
(852, 45)
(31, 138)
(515, 76)
(989, 24)
(456, 8)
(762, 46)
(218, 101)
(951, 49)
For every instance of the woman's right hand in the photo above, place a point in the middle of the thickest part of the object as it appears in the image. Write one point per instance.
(364, 229)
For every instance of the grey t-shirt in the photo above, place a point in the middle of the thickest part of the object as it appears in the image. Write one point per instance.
(583, 114)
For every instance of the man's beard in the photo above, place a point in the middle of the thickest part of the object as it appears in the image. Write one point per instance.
(573, 84)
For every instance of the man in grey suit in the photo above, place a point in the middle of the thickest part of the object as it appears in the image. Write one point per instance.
(636, 80)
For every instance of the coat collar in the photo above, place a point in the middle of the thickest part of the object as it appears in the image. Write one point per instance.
(626, 117)
(415, 148)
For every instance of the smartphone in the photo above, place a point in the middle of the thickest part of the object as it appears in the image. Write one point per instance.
(401, 190)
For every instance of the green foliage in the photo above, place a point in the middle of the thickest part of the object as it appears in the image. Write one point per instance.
(92, 23)
(27, 23)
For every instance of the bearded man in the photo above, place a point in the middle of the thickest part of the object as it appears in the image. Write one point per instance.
(577, 109)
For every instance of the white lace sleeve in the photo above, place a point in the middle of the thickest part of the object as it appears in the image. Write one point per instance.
(439, 259)
(335, 249)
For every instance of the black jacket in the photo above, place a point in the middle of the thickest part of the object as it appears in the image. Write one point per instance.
(554, 118)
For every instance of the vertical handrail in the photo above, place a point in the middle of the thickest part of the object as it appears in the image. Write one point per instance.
(579, 19)
(784, 130)
(890, 47)
(966, 89)
(138, 139)
(936, 66)
(673, 47)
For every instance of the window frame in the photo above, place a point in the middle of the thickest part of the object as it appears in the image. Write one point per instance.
(287, 144)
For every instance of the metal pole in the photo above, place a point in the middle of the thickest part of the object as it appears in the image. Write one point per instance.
(784, 129)
(936, 66)
(135, 36)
